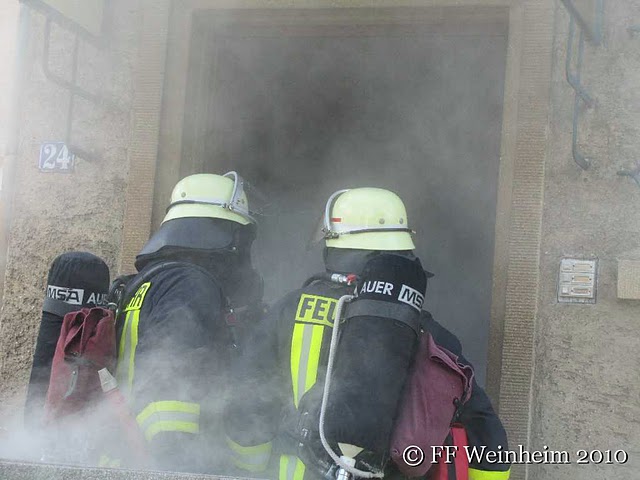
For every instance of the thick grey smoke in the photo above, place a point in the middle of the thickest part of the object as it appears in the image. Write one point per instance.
(303, 114)
(96, 436)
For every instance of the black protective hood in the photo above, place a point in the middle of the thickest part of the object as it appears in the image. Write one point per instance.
(198, 234)
(348, 260)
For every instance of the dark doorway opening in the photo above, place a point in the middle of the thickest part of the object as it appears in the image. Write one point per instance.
(303, 111)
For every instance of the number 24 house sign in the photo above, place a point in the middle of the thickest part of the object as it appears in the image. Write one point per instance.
(55, 157)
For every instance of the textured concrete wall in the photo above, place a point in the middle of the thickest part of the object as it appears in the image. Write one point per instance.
(32, 471)
(587, 388)
(8, 27)
(54, 213)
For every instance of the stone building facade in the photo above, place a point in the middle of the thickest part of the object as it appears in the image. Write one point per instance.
(563, 375)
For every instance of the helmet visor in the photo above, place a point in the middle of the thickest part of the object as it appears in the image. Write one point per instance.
(322, 226)
(237, 202)
(317, 234)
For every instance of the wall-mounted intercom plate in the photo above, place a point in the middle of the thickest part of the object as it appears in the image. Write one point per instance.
(577, 280)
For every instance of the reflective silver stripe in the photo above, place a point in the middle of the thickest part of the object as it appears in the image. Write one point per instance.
(342, 228)
(253, 458)
(306, 343)
(304, 361)
(291, 468)
(169, 417)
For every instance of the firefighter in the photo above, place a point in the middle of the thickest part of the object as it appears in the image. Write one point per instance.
(289, 353)
(177, 333)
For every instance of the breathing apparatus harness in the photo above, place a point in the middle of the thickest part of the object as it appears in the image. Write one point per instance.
(343, 467)
(125, 286)
(387, 301)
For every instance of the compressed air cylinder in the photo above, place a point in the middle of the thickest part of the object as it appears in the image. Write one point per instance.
(377, 344)
(76, 280)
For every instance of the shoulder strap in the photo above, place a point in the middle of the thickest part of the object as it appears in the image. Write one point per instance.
(124, 287)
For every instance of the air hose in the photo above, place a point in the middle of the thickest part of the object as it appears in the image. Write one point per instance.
(325, 395)
(341, 278)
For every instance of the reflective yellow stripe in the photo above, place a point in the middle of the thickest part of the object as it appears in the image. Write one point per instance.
(296, 347)
(129, 340)
(284, 462)
(135, 318)
(127, 353)
(313, 314)
(251, 450)
(170, 426)
(123, 338)
(169, 416)
(299, 472)
(138, 299)
(488, 475)
(306, 343)
(169, 406)
(122, 368)
(291, 468)
(253, 458)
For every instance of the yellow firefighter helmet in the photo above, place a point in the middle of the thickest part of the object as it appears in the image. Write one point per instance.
(209, 195)
(366, 219)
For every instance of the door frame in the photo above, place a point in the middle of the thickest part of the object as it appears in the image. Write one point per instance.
(521, 173)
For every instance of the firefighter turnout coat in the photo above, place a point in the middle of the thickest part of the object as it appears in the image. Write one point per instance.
(174, 352)
(288, 354)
